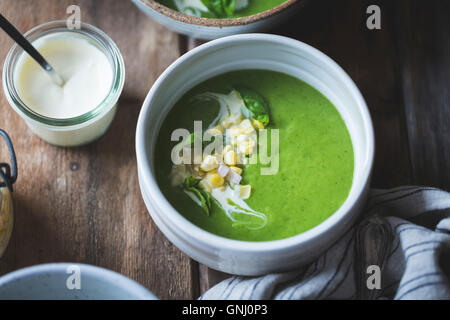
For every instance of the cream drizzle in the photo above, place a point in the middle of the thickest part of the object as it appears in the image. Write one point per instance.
(234, 206)
(229, 104)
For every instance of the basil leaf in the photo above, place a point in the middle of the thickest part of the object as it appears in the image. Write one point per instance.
(205, 200)
(228, 6)
(220, 8)
(207, 196)
(256, 106)
(191, 184)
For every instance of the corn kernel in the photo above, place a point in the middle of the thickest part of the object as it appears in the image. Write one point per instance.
(245, 191)
(219, 157)
(249, 139)
(230, 158)
(258, 124)
(215, 180)
(234, 118)
(247, 126)
(246, 148)
(209, 163)
(227, 148)
(235, 131)
(215, 131)
(246, 144)
(225, 123)
(237, 170)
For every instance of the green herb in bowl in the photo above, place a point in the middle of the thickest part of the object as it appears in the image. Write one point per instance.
(221, 9)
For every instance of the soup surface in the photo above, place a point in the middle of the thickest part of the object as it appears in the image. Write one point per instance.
(240, 8)
(316, 161)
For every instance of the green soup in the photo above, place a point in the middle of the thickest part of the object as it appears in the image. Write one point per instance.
(195, 7)
(315, 157)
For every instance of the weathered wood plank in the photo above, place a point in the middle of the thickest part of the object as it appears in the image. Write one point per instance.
(423, 38)
(84, 204)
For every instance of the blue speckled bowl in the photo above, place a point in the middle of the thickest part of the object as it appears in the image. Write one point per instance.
(50, 281)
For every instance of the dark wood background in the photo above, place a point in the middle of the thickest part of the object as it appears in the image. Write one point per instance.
(84, 204)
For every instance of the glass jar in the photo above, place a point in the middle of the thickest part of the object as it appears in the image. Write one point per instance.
(8, 175)
(81, 129)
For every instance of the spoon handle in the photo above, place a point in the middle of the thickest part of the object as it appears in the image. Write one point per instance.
(28, 47)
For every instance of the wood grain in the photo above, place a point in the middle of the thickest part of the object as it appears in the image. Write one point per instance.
(84, 204)
(423, 34)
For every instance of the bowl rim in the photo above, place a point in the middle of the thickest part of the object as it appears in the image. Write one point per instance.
(209, 239)
(116, 278)
(219, 23)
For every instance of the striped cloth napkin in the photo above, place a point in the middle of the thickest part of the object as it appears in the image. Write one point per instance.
(405, 232)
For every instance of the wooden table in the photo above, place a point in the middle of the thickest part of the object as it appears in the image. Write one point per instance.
(84, 204)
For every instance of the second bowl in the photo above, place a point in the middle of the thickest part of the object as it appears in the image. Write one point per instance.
(207, 28)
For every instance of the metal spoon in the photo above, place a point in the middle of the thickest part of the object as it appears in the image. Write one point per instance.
(28, 47)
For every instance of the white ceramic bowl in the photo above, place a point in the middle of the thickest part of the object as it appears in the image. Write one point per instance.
(49, 281)
(204, 28)
(254, 51)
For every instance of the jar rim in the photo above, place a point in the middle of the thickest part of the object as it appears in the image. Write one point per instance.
(106, 44)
